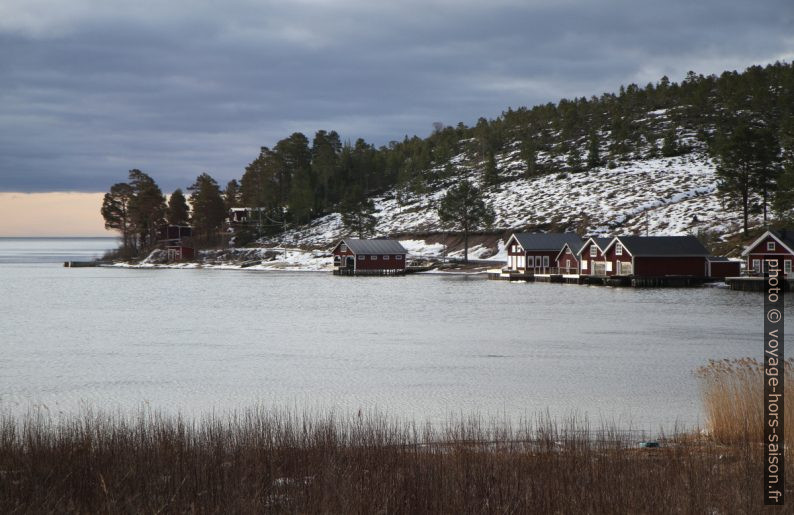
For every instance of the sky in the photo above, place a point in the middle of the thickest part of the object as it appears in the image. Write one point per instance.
(90, 89)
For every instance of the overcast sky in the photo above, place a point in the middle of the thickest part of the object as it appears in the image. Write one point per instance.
(90, 89)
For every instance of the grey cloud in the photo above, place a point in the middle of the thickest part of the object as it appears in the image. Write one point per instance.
(178, 89)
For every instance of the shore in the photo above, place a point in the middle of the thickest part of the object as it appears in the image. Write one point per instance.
(297, 260)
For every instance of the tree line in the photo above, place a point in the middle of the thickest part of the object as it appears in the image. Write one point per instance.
(744, 121)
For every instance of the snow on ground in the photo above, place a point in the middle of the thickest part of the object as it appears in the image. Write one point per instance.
(660, 196)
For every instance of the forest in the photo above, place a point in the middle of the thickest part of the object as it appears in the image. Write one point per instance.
(743, 120)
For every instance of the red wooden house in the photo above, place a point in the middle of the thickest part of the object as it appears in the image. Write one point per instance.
(591, 256)
(773, 244)
(369, 257)
(537, 252)
(567, 260)
(656, 256)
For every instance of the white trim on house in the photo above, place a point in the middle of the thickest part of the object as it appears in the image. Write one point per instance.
(761, 238)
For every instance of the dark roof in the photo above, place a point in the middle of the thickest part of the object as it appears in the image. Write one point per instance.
(721, 259)
(374, 246)
(547, 241)
(786, 236)
(600, 242)
(663, 246)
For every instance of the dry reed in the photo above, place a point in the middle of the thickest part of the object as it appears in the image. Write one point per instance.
(282, 461)
(732, 393)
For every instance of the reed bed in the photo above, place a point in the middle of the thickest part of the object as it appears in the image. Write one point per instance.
(285, 461)
(732, 393)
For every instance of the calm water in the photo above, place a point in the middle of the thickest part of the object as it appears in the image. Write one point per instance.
(419, 346)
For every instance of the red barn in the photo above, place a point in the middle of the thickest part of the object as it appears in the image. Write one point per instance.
(537, 252)
(369, 257)
(656, 256)
(591, 256)
(777, 244)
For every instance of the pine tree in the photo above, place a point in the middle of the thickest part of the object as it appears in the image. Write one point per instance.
(670, 144)
(358, 213)
(178, 212)
(231, 195)
(744, 155)
(593, 151)
(464, 208)
(574, 160)
(116, 213)
(208, 209)
(491, 173)
(147, 208)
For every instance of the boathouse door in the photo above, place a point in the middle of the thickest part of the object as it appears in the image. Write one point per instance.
(350, 262)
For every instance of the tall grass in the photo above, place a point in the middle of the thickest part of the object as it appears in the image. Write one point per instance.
(283, 461)
(732, 392)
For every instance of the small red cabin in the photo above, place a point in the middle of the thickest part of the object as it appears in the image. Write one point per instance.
(591, 256)
(567, 260)
(362, 257)
(778, 245)
(656, 256)
(179, 253)
(537, 253)
(722, 267)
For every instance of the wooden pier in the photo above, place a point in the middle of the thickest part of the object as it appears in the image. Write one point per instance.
(754, 283)
(601, 280)
(368, 273)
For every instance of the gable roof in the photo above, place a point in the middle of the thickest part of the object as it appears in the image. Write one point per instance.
(562, 251)
(661, 245)
(530, 241)
(383, 246)
(784, 236)
(601, 243)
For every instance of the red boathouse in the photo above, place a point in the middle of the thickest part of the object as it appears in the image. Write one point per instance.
(536, 253)
(591, 256)
(656, 256)
(369, 257)
(773, 244)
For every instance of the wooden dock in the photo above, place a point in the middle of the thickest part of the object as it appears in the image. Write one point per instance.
(601, 280)
(367, 273)
(754, 283)
(85, 264)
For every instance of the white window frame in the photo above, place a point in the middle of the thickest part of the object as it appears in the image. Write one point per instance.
(567, 263)
(530, 261)
(545, 261)
(593, 251)
(520, 262)
(361, 257)
(756, 265)
(398, 257)
(584, 264)
(618, 249)
(373, 258)
(343, 248)
(770, 246)
(787, 267)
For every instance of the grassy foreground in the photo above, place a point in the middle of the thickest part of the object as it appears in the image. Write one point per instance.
(282, 461)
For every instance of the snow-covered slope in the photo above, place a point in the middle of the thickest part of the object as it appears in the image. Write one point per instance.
(665, 196)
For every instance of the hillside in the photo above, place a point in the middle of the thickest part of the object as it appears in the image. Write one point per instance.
(661, 195)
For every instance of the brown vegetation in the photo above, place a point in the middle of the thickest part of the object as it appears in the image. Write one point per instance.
(278, 461)
(732, 392)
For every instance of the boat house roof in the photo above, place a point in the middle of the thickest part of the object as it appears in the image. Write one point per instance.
(377, 246)
(661, 245)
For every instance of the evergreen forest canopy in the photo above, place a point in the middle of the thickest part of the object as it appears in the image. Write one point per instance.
(745, 121)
